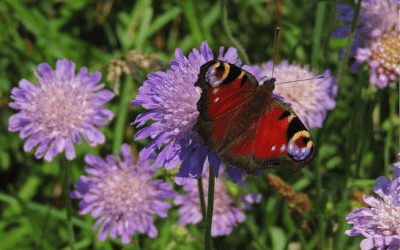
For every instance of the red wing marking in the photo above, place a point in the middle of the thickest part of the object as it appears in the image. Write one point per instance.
(226, 98)
(271, 139)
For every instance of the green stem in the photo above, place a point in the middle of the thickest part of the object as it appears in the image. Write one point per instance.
(235, 43)
(39, 208)
(389, 136)
(210, 206)
(302, 239)
(126, 95)
(201, 195)
(348, 45)
(319, 205)
(190, 12)
(328, 32)
(136, 241)
(318, 28)
(362, 183)
(340, 240)
(68, 205)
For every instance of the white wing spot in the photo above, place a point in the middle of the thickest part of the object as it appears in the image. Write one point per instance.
(216, 99)
(283, 148)
(215, 90)
(273, 148)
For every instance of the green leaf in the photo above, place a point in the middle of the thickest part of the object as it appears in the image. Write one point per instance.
(278, 238)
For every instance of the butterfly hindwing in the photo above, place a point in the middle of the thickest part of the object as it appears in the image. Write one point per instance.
(245, 125)
(275, 137)
(282, 138)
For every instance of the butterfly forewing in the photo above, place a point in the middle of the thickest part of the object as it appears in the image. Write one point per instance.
(244, 124)
(225, 87)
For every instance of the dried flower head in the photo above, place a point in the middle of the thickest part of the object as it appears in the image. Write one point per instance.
(284, 190)
(299, 200)
(59, 108)
(145, 61)
(122, 195)
(357, 196)
(116, 67)
(299, 203)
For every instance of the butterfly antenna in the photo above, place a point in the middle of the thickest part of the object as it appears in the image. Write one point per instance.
(312, 78)
(276, 45)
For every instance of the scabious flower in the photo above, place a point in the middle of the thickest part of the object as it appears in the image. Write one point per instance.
(308, 99)
(382, 56)
(380, 224)
(380, 14)
(171, 99)
(122, 196)
(226, 214)
(374, 14)
(58, 108)
(395, 168)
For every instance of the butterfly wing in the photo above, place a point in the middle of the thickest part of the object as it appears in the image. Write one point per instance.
(282, 138)
(245, 125)
(226, 91)
(277, 136)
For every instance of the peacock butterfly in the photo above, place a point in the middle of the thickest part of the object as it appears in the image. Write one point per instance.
(245, 124)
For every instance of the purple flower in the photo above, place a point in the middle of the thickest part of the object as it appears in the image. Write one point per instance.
(171, 99)
(122, 196)
(226, 213)
(308, 99)
(374, 14)
(58, 108)
(380, 14)
(382, 57)
(380, 224)
(395, 168)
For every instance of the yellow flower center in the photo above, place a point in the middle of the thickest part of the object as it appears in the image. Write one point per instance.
(387, 53)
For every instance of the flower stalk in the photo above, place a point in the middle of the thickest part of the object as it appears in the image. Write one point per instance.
(210, 206)
(201, 196)
(68, 204)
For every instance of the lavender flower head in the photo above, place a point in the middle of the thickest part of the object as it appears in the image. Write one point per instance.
(395, 169)
(171, 99)
(374, 14)
(380, 224)
(58, 108)
(382, 57)
(122, 196)
(380, 14)
(226, 214)
(308, 99)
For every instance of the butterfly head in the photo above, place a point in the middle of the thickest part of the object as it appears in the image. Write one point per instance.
(270, 84)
